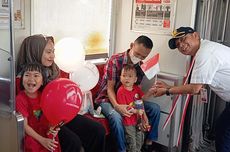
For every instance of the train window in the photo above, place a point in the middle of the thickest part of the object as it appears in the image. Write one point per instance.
(88, 21)
(213, 20)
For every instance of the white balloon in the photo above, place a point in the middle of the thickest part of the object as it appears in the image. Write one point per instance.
(86, 76)
(69, 54)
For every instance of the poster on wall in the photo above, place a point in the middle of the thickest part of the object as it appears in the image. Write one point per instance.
(153, 16)
(18, 14)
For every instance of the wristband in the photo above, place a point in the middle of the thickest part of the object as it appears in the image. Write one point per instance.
(167, 92)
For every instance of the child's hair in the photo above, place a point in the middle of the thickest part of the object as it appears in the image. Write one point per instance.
(129, 67)
(31, 50)
(34, 67)
(147, 42)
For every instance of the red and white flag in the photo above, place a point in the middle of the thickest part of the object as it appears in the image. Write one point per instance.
(151, 67)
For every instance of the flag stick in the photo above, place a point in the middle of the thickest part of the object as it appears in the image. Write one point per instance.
(155, 79)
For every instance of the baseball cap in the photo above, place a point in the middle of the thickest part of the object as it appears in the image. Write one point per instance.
(178, 33)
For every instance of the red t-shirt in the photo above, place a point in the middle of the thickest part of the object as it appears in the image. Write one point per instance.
(125, 96)
(30, 109)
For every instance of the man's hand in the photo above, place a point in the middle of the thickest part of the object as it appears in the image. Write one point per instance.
(159, 92)
(161, 84)
(159, 88)
(122, 109)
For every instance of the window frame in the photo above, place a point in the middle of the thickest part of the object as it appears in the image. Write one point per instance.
(112, 32)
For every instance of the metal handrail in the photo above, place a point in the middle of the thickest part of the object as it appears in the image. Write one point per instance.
(12, 58)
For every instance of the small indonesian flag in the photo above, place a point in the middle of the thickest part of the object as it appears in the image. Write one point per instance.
(151, 67)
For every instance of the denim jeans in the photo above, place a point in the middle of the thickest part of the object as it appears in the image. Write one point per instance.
(116, 126)
(153, 113)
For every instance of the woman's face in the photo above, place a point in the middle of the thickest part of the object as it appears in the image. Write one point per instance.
(48, 54)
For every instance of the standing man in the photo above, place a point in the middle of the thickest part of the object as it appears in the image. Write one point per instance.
(212, 67)
(113, 111)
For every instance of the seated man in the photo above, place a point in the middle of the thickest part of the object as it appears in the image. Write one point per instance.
(138, 51)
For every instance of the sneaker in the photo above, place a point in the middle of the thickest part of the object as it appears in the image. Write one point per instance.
(146, 148)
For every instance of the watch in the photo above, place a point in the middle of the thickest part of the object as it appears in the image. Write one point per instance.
(167, 92)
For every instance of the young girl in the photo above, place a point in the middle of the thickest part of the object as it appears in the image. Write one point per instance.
(28, 104)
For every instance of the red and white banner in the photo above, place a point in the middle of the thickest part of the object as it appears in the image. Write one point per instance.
(175, 101)
(151, 67)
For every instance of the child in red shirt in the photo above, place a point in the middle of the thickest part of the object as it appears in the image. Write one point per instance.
(131, 94)
(28, 104)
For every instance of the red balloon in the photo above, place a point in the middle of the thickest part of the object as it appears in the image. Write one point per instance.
(61, 101)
